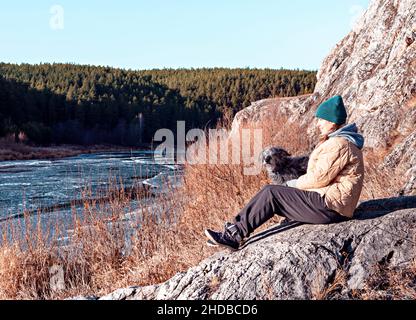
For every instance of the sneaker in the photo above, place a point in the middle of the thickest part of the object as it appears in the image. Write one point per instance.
(285, 222)
(230, 238)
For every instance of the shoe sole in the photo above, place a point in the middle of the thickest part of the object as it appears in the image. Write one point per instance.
(212, 243)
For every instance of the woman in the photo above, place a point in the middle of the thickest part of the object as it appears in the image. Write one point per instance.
(327, 193)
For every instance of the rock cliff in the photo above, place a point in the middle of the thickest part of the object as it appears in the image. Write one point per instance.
(374, 69)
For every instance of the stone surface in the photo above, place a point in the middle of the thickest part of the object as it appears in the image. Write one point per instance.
(404, 154)
(298, 263)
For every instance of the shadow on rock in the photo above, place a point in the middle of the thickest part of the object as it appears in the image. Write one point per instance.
(380, 207)
(366, 210)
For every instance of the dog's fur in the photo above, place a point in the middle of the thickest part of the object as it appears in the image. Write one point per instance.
(281, 167)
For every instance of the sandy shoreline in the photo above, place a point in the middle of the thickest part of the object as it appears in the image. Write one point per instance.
(18, 151)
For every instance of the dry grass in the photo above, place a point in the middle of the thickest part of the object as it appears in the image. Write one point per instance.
(98, 259)
(218, 192)
(391, 284)
(385, 283)
(327, 290)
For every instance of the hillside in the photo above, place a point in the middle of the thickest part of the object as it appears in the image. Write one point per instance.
(76, 104)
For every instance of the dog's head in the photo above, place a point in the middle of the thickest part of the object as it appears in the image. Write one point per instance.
(274, 158)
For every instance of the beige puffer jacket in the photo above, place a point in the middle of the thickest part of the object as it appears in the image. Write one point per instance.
(336, 171)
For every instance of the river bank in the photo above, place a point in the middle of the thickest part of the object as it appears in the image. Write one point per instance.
(10, 151)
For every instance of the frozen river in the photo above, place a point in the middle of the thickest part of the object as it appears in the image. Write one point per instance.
(33, 184)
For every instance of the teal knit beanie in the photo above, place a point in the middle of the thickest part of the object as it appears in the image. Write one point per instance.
(333, 110)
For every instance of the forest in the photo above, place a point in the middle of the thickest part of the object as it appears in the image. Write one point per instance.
(86, 105)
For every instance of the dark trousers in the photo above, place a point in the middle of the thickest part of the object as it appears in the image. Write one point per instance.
(294, 204)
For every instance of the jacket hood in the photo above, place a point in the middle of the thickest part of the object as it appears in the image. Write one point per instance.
(349, 132)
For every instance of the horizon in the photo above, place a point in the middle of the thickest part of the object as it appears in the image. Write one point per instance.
(157, 69)
(182, 35)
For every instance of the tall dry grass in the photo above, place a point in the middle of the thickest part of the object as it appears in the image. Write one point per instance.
(218, 192)
(106, 251)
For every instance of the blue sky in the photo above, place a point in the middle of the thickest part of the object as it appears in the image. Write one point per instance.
(176, 33)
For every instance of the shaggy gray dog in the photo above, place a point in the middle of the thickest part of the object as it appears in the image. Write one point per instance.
(281, 167)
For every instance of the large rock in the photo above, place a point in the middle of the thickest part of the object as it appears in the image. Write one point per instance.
(298, 263)
(404, 155)
(374, 69)
(258, 111)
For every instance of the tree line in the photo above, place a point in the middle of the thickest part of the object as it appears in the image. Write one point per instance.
(82, 104)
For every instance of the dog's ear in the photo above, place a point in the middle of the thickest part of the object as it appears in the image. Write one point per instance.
(284, 153)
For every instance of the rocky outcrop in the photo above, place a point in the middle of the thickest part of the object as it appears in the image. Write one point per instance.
(258, 111)
(374, 69)
(300, 262)
(404, 155)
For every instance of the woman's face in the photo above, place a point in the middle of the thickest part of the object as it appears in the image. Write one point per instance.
(324, 126)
